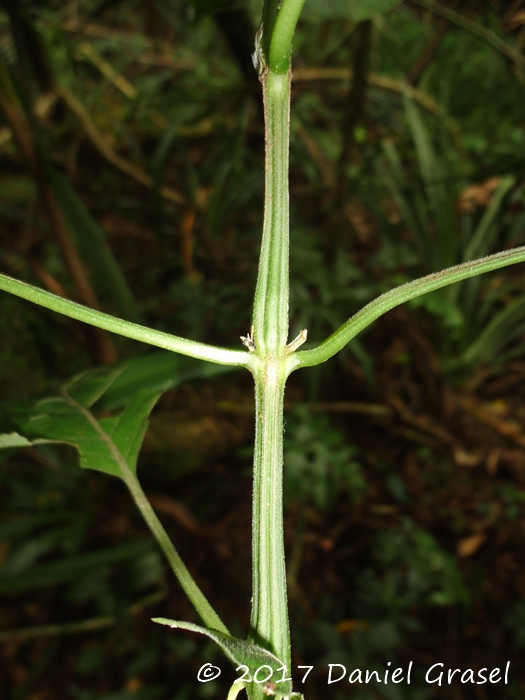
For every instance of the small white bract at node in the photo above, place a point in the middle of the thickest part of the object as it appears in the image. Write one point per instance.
(248, 341)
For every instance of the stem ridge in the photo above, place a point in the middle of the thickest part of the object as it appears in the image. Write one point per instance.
(270, 310)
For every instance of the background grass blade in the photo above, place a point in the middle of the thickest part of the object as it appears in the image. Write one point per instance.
(91, 240)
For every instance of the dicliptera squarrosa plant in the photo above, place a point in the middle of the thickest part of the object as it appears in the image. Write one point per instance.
(112, 444)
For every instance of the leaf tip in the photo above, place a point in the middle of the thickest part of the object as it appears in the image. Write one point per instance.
(164, 621)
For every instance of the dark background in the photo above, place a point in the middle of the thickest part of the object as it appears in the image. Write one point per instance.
(405, 461)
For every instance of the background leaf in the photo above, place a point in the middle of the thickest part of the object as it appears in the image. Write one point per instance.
(356, 10)
(91, 239)
(70, 568)
(154, 371)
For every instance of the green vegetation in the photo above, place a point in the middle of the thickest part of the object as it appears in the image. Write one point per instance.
(400, 194)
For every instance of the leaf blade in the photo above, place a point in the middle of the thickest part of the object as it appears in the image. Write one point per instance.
(88, 387)
(131, 428)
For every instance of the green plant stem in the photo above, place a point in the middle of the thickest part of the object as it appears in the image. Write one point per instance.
(235, 690)
(270, 308)
(188, 585)
(200, 351)
(397, 296)
(280, 53)
(269, 621)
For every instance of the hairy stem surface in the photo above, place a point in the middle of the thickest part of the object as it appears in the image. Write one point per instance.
(270, 309)
(269, 623)
(269, 620)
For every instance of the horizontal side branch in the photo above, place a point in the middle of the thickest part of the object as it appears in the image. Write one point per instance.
(200, 351)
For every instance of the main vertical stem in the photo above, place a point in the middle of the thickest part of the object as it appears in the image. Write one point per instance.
(269, 622)
(270, 309)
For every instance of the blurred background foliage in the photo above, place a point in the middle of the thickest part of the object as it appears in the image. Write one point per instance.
(131, 149)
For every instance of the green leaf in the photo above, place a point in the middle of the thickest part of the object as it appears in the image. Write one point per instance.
(356, 10)
(503, 327)
(484, 235)
(88, 387)
(24, 527)
(158, 370)
(9, 443)
(92, 242)
(415, 217)
(72, 568)
(10, 440)
(110, 445)
(61, 419)
(239, 651)
(136, 384)
(102, 445)
(440, 199)
(132, 425)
